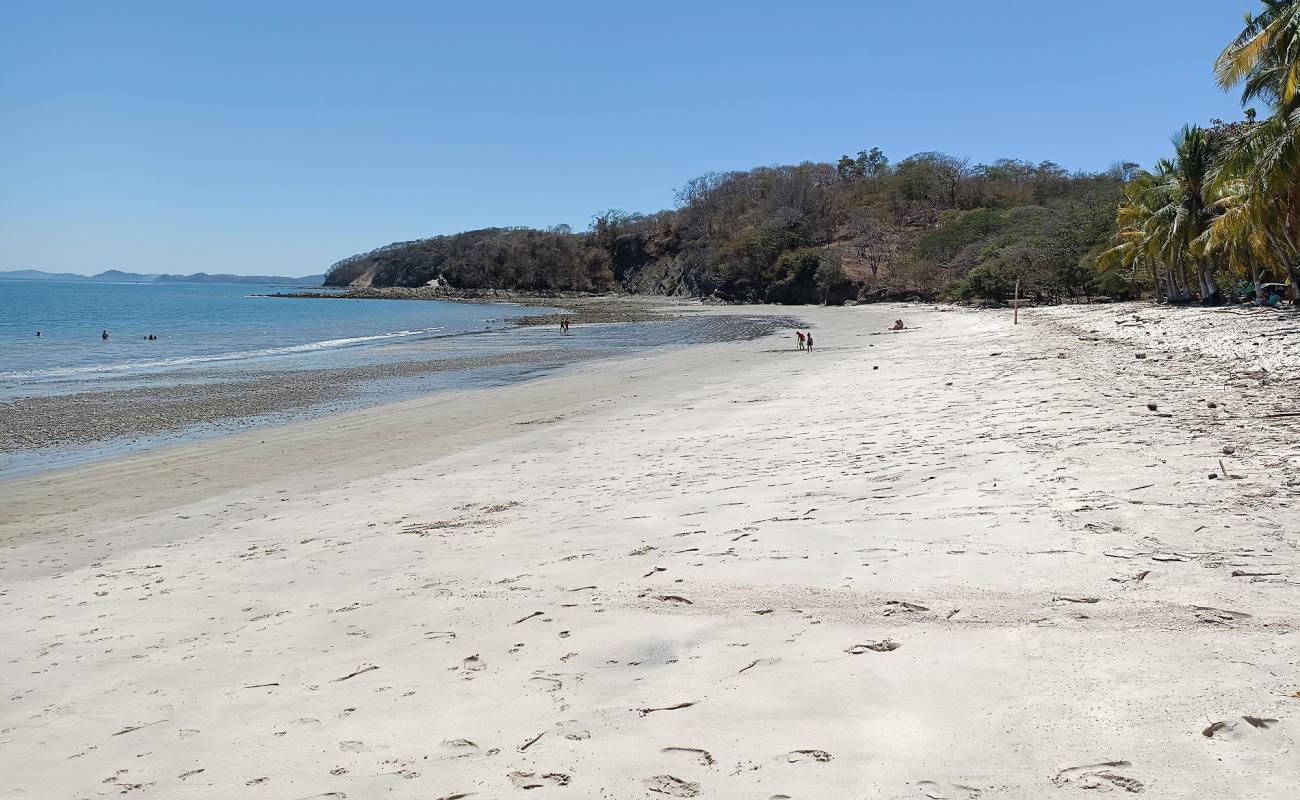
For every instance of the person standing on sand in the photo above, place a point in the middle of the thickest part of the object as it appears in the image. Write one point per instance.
(809, 335)
(801, 339)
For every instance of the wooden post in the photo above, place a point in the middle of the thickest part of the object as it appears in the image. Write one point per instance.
(1015, 315)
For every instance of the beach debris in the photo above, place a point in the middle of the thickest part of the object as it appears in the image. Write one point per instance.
(1215, 727)
(671, 786)
(883, 646)
(1077, 599)
(672, 598)
(795, 756)
(1229, 729)
(457, 796)
(190, 774)
(1152, 407)
(1229, 449)
(530, 616)
(647, 711)
(653, 571)
(531, 742)
(758, 662)
(705, 757)
(1226, 474)
(473, 663)
(359, 671)
(1240, 573)
(261, 685)
(133, 728)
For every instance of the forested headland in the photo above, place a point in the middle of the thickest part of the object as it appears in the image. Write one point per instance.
(808, 233)
(1216, 221)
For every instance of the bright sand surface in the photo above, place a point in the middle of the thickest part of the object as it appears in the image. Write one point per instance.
(665, 576)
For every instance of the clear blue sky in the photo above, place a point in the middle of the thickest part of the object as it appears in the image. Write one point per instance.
(278, 137)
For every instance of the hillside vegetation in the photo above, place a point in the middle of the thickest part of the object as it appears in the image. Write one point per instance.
(808, 233)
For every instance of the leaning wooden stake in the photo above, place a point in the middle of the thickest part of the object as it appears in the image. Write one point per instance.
(1015, 315)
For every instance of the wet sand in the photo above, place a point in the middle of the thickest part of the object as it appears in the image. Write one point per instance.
(960, 560)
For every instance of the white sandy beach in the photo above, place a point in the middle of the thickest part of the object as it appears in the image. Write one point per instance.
(680, 575)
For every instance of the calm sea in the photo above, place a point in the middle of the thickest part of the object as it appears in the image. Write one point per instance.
(226, 358)
(200, 326)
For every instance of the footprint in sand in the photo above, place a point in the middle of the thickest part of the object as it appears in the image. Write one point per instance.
(1098, 776)
(671, 786)
(947, 791)
(473, 663)
(795, 756)
(461, 748)
(353, 746)
(704, 757)
(546, 683)
(531, 780)
(883, 646)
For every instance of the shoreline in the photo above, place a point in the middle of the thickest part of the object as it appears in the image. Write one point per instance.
(909, 550)
(42, 431)
(582, 308)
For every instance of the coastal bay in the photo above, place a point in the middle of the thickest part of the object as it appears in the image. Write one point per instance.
(965, 558)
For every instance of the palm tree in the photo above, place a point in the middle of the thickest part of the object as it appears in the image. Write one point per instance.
(1137, 242)
(1258, 174)
(1184, 184)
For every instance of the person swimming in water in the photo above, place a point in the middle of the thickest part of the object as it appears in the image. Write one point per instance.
(104, 335)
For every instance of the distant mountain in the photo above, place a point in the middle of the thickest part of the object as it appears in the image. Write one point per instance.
(203, 277)
(118, 276)
(37, 275)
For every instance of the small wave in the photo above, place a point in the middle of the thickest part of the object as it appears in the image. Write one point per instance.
(184, 361)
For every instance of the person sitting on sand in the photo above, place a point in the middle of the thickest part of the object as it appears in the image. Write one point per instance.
(801, 339)
(898, 325)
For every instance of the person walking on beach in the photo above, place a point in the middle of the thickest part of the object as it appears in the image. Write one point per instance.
(801, 339)
(809, 335)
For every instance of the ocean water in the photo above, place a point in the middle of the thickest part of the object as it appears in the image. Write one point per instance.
(201, 325)
(228, 358)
